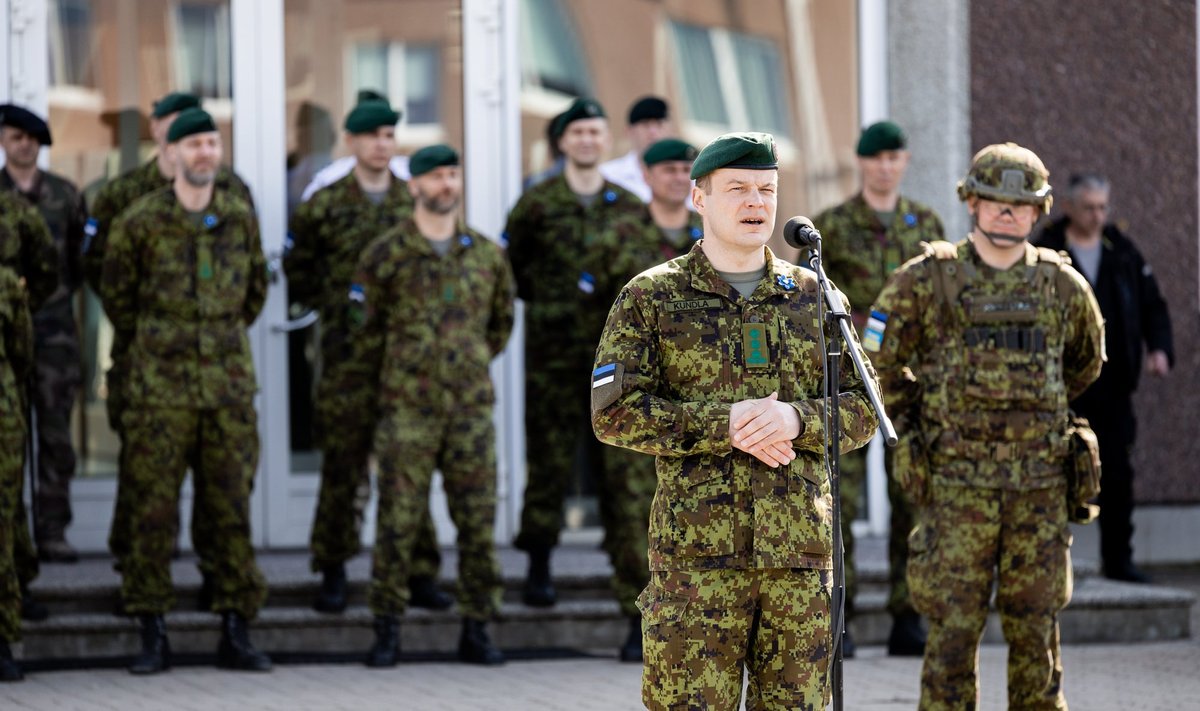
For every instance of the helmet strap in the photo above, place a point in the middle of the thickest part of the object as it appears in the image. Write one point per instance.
(998, 240)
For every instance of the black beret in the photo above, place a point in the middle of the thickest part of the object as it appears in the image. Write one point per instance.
(647, 108)
(669, 149)
(430, 158)
(579, 109)
(369, 115)
(879, 137)
(755, 151)
(188, 122)
(27, 121)
(173, 103)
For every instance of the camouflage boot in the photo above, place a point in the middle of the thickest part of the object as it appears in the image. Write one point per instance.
(475, 646)
(156, 651)
(386, 650)
(235, 650)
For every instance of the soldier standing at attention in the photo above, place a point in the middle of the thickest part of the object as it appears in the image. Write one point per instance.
(550, 233)
(57, 373)
(183, 278)
(327, 235)
(648, 123)
(434, 304)
(980, 346)
(865, 239)
(711, 363)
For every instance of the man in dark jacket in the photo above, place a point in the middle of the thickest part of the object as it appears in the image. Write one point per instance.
(1134, 314)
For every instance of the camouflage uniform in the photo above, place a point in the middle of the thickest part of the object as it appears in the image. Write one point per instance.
(326, 237)
(859, 254)
(980, 382)
(113, 199)
(57, 375)
(731, 540)
(27, 248)
(430, 326)
(16, 360)
(550, 236)
(181, 295)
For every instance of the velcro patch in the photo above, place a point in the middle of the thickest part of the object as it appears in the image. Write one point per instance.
(754, 345)
(606, 385)
(872, 339)
(692, 305)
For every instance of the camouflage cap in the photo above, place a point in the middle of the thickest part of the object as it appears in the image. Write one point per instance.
(174, 102)
(188, 122)
(579, 109)
(755, 151)
(369, 115)
(27, 121)
(879, 137)
(1006, 172)
(669, 149)
(430, 158)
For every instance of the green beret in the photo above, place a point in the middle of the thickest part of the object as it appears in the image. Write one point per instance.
(755, 151)
(370, 115)
(647, 108)
(669, 149)
(579, 109)
(174, 102)
(431, 157)
(21, 118)
(879, 137)
(189, 121)
(369, 95)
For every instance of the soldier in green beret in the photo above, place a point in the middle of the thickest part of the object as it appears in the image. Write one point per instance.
(326, 236)
(864, 240)
(183, 277)
(980, 347)
(711, 363)
(551, 235)
(649, 122)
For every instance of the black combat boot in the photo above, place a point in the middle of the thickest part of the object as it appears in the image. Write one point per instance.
(475, 646)
(386, 650)
(332, 597)
(424, 592)
(539, 588)
(907, 638)
(156, 651)
(235, 650)
(9, 669)
(631, 651)
(204, 596)
(31, 609)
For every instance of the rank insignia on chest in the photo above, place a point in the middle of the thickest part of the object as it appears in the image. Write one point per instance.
(204, 263)
(786, 282)
(872, 338)
(754, 345)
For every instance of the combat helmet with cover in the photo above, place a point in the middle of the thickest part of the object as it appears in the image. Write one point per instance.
(1006, 172)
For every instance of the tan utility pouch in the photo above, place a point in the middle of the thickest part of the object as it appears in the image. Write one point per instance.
(1083, 471)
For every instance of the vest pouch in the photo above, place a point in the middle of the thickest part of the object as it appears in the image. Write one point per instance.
(1082, 471)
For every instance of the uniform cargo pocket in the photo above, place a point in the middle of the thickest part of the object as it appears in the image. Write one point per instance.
(923, 582)
(661, 606)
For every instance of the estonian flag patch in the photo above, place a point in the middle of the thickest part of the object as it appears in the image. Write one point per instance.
(604, 375)
(872, 339)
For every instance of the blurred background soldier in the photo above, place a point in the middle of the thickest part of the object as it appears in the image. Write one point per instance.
(550, 233)
(57, 374)
(340, 168)
(980, 346)
(327, 235)
(183, 277)
(1135, 317)
(865, 239)
(648, 122)
(434, 300)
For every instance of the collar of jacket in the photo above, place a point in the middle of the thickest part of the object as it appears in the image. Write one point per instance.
(420, 243)
(867, 218)
(703, 277)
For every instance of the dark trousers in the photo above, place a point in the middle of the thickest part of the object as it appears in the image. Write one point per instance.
(1116, 428)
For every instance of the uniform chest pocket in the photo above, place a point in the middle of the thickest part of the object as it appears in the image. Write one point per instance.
(694, 352)
(695, 516)
(1003, 375)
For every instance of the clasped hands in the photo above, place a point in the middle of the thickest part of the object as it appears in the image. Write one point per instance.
(765, 429)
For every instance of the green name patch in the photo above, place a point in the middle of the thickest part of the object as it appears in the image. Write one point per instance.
(692, 305)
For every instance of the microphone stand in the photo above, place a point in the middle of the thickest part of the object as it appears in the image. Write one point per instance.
(837, 314)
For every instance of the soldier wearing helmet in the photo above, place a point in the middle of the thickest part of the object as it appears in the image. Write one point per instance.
(980, 345)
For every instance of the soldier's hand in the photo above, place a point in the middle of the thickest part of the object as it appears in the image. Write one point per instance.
(774, 454)
(766, 420)
(1157, 363)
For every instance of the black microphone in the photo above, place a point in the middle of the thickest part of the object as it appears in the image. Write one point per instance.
(800, 233)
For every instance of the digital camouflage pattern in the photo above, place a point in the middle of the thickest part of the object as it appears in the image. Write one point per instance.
(181, 294)
(326, 236)
(698, 621)
(16, 361)
(977, 365)
(427, 328)
(58, 373)
(859, 253)
(551, 238)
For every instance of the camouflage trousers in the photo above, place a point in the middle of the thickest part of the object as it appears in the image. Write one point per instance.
(966, 539)
(410, 444)
(625, 494)
(12, 462)
(701, 627)
(222, 445)
(56, 388)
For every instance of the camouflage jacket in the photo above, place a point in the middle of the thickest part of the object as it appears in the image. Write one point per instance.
(16, 350)
(27, 248)
(62, 208)
(429, 326)
(120, 193)
(983, 378)
(326, 236)
(549, 236)
(680, 347)
(860, 253)
(182, 295)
